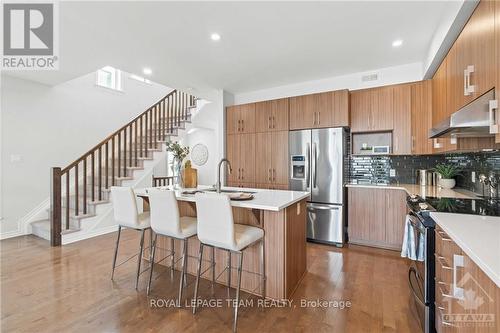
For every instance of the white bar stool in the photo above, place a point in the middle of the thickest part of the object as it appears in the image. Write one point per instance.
(216, 228)
(127, 216)
(165, 221)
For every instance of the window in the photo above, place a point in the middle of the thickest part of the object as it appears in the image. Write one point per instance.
(139, 78)
(109, 77)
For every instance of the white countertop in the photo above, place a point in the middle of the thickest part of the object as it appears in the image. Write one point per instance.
(478, 236)
(273, 200)
(423, 191)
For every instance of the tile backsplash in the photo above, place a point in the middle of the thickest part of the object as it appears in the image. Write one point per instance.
(376, 168)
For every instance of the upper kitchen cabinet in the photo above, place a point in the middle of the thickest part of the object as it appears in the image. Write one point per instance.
(472, 60)
(329, 109)
(440, 106)
(402, 132)
(372, 109)
(497, 43)
(240, 118)
(421, 117)
(272, 115)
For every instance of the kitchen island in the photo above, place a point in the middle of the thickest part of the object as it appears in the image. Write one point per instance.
(282, 215)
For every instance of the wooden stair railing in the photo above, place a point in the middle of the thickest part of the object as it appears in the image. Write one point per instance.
(85, 181)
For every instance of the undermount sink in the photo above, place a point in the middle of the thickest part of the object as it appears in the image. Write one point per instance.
(228, 191)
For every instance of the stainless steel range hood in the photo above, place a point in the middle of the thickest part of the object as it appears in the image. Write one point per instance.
(476, 119)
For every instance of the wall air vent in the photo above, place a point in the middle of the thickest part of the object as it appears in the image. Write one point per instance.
(369, 77)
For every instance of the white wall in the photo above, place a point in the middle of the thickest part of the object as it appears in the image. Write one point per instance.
(390, 75)
(52, 126)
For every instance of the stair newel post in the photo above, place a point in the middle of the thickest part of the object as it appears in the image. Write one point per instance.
(85, 185)
(119, 152)
(135, 142)
(125, 152)
(76, 190)
(55, 207)
(99, 173)
(92, 175)
(113, 160)
(106, 160)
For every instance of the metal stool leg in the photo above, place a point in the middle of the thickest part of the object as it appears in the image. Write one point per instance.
(240, 265)
(213, 268)
(262, 269)
(139, 259)
(172, 260)
(183, 271)
(200, 258)
(152, 259)
(116, 251)
(228, 273)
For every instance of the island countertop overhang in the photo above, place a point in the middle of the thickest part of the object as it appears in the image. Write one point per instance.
(264, 199)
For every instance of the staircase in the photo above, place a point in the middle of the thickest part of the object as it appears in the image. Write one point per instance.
(80, 192)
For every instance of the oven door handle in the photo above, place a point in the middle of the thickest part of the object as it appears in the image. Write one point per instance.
(412, 288)
(415, 223)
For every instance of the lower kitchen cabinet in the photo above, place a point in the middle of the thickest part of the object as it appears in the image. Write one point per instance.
(376, 217)
(479, 310)
(241, 184)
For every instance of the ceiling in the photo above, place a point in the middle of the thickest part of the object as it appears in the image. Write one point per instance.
(263, 44)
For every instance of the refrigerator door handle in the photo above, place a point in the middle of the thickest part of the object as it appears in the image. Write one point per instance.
(318, 207)
(308, 161)
(315, 159)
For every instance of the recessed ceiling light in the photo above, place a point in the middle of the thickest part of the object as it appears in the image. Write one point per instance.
(215, 36)
(397, 43)
(147, 71)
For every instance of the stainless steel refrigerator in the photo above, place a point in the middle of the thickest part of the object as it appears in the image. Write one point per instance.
(317, 165)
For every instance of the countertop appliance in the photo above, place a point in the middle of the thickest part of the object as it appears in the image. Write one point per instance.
(421, 274)
(317, 159)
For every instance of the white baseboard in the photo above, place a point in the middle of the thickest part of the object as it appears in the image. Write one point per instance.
(10, 234)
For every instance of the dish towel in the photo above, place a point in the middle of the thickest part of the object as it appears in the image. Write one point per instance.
(410, 249)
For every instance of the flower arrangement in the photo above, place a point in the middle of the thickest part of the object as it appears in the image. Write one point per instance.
(179, 152)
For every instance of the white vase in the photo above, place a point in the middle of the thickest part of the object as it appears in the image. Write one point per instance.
(447, 183)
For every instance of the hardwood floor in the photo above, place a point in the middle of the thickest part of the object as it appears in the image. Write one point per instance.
(68, 289)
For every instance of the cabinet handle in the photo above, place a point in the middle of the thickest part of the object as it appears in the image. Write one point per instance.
(242, 125)
(443, 237)
(274, 174)
(269, 173)
(239, 173)
(440, 260)
(412, 143)
(319, 117)
(269, 122)
(493, 105)
(242, 173)
(274, 122)
(468, 88)
(314, 119)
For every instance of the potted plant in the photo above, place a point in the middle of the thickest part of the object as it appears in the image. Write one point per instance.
(180, 153)
(447, 172)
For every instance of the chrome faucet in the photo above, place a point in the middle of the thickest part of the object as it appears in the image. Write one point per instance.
(219, 185)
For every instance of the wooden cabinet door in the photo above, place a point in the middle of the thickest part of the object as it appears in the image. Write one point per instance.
(232, 119)
(340, 108)
(247, 158)
(395, 217)
(263, 116)
(497, 56)
(233, 155)
(359, 213)
(360, 110)
(455, 65)
(440, 106)
(279, 157)
(381, 115)
(279, 108)
(263, 157)
(421, 117)
(480, 48)
(302, 111)
(324, 112)
(401, 135)
(247, 118)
